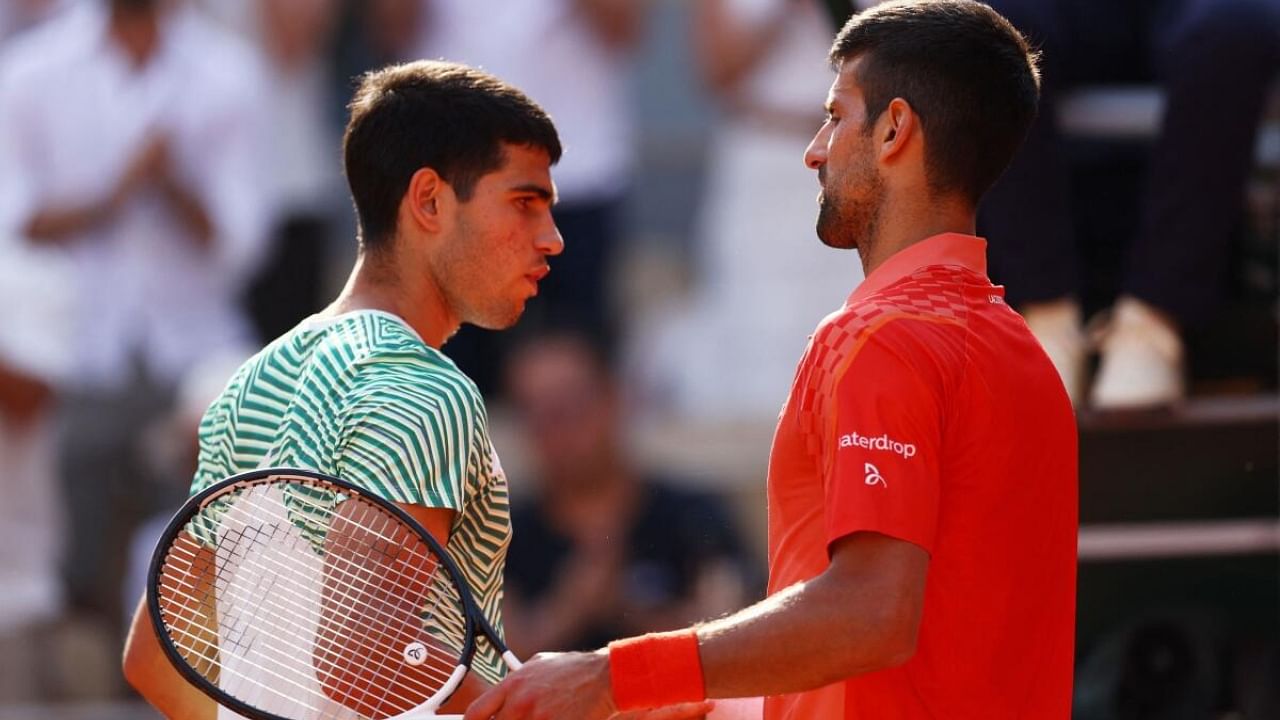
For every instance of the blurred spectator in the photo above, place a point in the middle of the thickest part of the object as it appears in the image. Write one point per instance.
(34, 338)
(131, 141)
(300, 116)
(173, 448)
(604, 549)
(19, 15)
(1215, 60)
(574, 58)
(296, 36)
(375, 33)
(763, 274)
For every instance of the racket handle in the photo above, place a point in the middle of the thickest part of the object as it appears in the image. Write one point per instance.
(511, 660)
(509, 657)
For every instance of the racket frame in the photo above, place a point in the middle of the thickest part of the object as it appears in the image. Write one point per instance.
(473, 619)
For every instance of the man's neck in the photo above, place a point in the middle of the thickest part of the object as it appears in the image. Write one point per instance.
(375, 285)
(909, 223)
(137, 33)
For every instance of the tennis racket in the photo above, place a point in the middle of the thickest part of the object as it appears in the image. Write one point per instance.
(289, 595)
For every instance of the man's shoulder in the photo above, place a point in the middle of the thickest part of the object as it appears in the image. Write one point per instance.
(216, 54)
(920, 321)
(941, 293)
(935, 295)
(59, 43)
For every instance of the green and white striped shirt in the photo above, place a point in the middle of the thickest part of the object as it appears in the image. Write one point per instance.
(362, 397)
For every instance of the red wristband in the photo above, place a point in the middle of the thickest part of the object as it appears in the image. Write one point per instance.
(656, 670)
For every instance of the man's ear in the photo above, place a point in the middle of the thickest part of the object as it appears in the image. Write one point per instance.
(896, 128)
(426, 199)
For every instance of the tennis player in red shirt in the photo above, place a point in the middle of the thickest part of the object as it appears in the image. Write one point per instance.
(922, 482)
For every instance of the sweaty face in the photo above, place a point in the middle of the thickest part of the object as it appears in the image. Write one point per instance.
(843, 153)
(497, 250)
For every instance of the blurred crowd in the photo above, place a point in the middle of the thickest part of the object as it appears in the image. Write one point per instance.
(171, 199)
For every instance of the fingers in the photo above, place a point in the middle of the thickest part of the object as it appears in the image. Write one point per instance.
(684, 711)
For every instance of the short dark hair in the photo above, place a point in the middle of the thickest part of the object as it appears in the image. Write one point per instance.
(445, 116)
(964, 69)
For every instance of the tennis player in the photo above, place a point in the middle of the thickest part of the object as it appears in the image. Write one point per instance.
(449, 169)
(922, 484)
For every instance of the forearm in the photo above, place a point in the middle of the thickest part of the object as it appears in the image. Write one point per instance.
(190, 211)
(154, 677)
(53, 225)
(21, 397)
(807, 636)
(861, 614)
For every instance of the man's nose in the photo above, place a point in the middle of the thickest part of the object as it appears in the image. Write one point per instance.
(815, 156)
(549, 241)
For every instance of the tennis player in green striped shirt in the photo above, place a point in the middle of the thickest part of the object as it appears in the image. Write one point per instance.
(450, 171)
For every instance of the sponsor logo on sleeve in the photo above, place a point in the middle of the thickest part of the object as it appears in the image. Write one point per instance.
(878, 442)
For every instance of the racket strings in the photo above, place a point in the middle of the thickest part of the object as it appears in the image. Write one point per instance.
(284, 613)
(237, 554)
(404, 702)
(407, 611)
(234, 619)
(329, 672)
(348, 575)
(457, 618)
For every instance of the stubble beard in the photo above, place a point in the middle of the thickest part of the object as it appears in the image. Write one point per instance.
(852, 222)
(470, 291)
(496, 312)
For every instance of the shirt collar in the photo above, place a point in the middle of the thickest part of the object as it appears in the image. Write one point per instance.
(966, 251)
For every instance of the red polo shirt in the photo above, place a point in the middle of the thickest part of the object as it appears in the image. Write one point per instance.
(925, 410)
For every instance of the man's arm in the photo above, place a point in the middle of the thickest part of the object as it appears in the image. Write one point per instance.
(859, 616)
(439, 523)
(862, 614)
(183, 201)
(60, 223)
(154, 677)
(617, 22)
(22, 396)
(727, 46)
(149, 671)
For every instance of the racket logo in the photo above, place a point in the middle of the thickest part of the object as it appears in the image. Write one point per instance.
(873, 475)
(415, 653)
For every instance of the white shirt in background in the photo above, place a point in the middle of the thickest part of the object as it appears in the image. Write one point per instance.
(729, 352)
(35, 309)
(548, 50)
(73, 114)
(305, 166)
